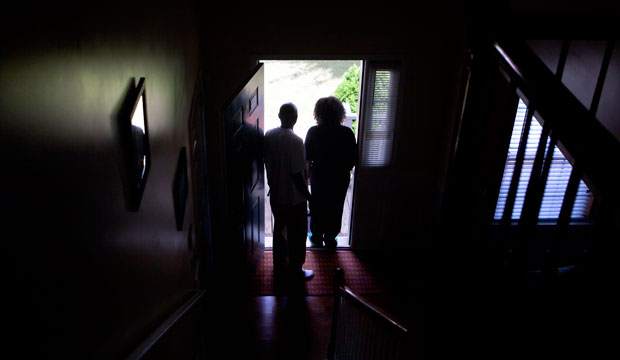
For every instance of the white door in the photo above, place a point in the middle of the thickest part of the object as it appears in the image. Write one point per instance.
(378, 114)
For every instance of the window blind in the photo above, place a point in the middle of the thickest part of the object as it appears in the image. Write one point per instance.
(528, 162)
(557, 181)
(583, 202)
(380, 116)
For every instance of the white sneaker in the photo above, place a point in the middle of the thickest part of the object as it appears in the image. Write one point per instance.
(307, 274)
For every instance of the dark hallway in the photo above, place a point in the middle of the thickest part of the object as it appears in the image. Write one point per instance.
(129, 181)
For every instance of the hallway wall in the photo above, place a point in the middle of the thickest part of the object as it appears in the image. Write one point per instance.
(90, 279)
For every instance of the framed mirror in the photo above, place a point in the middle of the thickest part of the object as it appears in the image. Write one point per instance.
(139, 152)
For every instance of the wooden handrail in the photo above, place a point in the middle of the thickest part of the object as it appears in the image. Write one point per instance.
(371, 309)
(368, 332)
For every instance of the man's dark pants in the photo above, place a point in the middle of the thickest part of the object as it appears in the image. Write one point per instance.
(290, 231)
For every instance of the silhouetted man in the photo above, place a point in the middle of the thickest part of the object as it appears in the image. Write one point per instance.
(285, 161)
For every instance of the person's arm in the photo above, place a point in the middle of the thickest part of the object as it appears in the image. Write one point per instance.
(308, 169)
(355, 152)
(300, 184)
(309, 148)
(352, 151)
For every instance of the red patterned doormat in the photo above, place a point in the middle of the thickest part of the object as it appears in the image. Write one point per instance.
(357, 276)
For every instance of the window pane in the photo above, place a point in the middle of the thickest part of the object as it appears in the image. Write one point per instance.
(555, 189)
(531, 146)
(583, 202)
(528, 163)
(511, 160)
(380, 117)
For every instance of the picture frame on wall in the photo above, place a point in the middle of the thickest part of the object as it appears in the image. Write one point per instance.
(138, 148)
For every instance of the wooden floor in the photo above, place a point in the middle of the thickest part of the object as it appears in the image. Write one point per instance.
(281, 327)
(288, 327)
(270, 327)
(291, 328)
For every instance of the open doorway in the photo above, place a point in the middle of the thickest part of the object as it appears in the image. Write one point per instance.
(303, 82)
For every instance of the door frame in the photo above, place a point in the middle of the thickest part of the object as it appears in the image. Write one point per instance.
(364, 57)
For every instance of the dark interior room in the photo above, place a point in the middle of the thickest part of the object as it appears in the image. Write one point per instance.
(133, 187)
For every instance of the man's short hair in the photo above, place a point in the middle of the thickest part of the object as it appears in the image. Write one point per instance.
(288, 114)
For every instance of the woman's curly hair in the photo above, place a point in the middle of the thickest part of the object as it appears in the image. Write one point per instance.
(329, 110)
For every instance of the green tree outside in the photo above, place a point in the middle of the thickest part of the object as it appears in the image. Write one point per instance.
(349, 89)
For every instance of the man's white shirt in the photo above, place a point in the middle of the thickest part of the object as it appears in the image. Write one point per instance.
(284, 156)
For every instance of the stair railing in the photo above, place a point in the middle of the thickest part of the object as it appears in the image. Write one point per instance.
(361, 330)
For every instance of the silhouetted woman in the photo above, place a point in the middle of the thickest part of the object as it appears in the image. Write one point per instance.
(331, 153)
